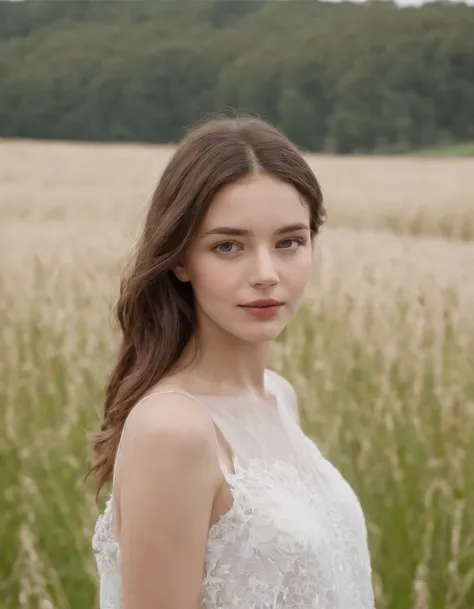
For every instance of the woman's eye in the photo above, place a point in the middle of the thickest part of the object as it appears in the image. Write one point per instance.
(293, 243)
(226, 248)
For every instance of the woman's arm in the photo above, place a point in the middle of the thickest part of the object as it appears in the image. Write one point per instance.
(166, 484)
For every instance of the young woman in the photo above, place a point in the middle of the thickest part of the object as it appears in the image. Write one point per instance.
(219, 500)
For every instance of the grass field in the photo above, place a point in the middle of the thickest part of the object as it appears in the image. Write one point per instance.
(381, 355)
(451, 150)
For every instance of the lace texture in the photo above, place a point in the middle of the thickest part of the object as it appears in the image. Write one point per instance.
(294, 538)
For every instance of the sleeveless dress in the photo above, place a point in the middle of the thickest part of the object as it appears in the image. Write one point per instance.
(295, 536)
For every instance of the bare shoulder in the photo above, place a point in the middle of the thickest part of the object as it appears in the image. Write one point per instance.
(171, 413)
(171, 428)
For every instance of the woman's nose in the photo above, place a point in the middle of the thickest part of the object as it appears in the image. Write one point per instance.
(264, 273)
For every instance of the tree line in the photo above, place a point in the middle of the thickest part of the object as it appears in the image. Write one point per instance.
(343, 78)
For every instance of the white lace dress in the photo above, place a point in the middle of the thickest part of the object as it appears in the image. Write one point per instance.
(295, 537)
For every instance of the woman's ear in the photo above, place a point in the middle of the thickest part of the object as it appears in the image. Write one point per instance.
(181, 272)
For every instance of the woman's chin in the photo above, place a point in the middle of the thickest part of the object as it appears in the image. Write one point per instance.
(263, 333)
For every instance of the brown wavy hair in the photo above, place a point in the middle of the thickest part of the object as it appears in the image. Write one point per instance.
(155, 311)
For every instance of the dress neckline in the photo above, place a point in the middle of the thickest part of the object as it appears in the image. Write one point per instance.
(271, 393)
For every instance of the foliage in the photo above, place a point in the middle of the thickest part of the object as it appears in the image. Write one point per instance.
(345, 78)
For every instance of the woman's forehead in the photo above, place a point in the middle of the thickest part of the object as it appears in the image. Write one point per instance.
(253, 202)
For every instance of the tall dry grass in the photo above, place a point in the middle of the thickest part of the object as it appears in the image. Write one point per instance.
(420, 196)
(381, 354)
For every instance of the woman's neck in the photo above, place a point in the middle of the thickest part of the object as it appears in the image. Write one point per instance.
(237, 369)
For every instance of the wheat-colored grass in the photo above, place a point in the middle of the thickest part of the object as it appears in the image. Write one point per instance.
(381, 355)
(432, 196)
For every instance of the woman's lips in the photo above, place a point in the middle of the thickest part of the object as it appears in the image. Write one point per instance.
(263, 312)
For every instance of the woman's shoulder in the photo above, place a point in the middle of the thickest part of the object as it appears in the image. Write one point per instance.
(167, 428)
(170, 411)
(284, 389)
(282, 382)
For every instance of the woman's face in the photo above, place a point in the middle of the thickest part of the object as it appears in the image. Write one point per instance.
(254, 245)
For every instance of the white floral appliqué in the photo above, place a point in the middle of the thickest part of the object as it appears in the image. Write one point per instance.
(286, 543)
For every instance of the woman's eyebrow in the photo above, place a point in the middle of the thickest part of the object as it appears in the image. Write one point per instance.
(244, 232)
(291, 228)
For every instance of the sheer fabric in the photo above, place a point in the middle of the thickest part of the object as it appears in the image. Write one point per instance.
(295, 536)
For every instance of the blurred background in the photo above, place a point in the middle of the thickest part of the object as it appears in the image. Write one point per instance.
(380, 97)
